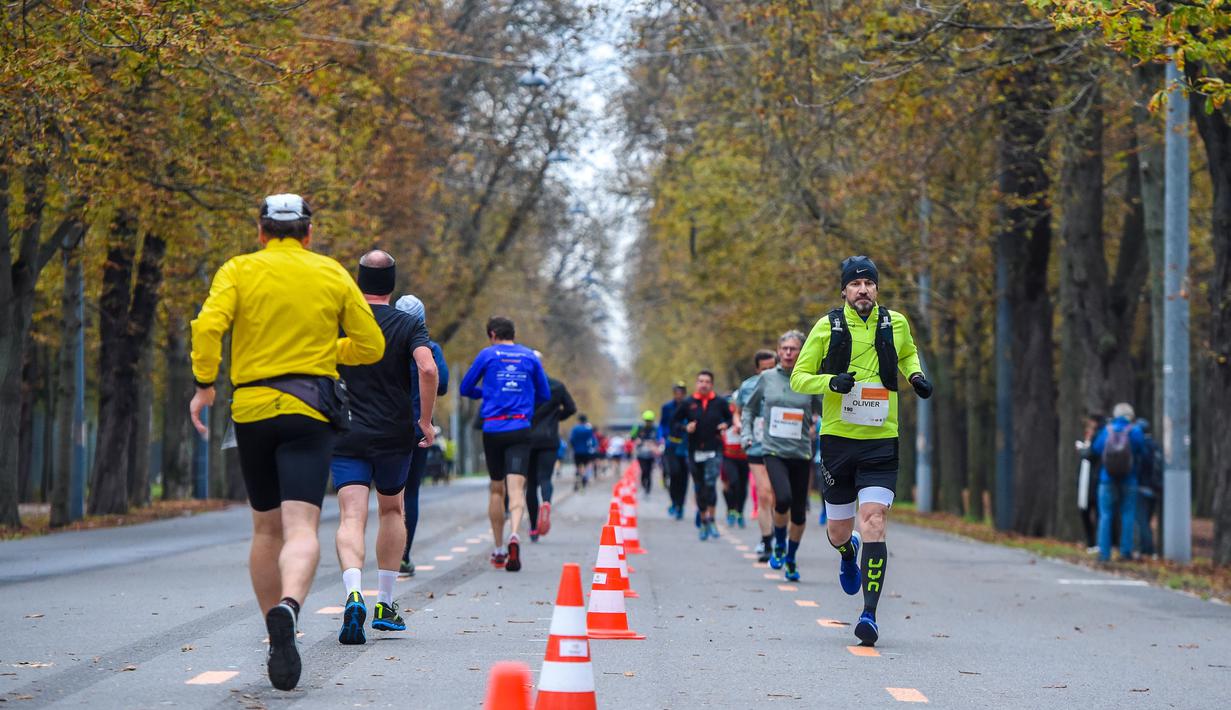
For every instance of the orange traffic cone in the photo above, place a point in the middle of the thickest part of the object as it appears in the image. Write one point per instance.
(567, 679)
(607, 617)
(628, 511)
(508, 687)
(613, 519)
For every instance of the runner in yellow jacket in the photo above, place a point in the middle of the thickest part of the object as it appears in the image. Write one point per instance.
(852, 357)
(284, 306)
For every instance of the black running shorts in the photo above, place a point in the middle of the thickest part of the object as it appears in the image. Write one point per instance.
(849, 465)
(284, 458)
(507, 452)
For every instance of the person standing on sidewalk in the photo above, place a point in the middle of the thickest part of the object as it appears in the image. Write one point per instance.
(705, 416)
(1121, 448)
(288, 403)
(377, 451)
(511, 382)
(852, 357)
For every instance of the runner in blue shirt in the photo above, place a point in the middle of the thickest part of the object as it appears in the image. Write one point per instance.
(585, 449)
(511, 382)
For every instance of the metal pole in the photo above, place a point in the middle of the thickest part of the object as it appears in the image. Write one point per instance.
(1177, 476)
(76, 485)
(1004, 390)
(923, 434)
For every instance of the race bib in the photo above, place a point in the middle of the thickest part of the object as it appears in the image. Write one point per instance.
(786, 423)
(703, 456)
(867, 404)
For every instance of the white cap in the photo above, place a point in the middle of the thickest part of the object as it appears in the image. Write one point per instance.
(285, 208)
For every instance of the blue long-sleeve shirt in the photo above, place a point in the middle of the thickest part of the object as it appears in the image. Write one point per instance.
(511, 382)
(680, 446)
(442, 385)
(1136, 441)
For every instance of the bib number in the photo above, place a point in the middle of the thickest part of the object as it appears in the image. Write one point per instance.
(866, 405)
(703, 456)
(786, 423)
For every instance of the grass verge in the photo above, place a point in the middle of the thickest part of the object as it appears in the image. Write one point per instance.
(38, 523)
(1201, 577)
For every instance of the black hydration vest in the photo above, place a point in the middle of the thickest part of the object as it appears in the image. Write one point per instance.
(838, 359)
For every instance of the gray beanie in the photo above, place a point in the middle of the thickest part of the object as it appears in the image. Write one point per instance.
(413, 306)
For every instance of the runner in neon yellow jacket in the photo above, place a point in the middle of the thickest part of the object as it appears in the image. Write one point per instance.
(861, 348)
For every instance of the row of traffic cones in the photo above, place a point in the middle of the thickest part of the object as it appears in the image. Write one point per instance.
(566, 681)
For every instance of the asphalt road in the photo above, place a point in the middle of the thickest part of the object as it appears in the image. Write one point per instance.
(161, 615)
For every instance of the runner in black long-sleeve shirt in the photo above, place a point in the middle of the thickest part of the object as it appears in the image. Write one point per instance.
(706, 416)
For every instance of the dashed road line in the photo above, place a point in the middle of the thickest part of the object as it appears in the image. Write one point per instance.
(832, 623)
(787, 588)
(443, 558)
(211, 677)
(330, 610)
(805, 602)
(907, 695)
(865, 651)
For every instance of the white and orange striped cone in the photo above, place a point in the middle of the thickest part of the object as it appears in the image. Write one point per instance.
(614, 520)
(626, 583)
(628, 511)
(607, 617)
(508, 687)
(567, 679)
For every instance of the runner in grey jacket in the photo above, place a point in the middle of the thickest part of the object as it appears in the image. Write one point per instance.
(787, 447)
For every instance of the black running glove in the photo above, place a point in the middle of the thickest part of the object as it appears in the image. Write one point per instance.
(842, 383)
(923, 388)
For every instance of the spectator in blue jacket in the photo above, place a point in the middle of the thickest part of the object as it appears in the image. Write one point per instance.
(1149, 490)
(1117, 490)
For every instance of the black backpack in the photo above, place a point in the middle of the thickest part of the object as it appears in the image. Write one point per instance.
(838, 359)
(1118, 453)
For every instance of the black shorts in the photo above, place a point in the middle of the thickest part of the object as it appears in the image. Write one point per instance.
(506, 452)
(756, 460)
(849, 465)
(582, 459)
(284, 458)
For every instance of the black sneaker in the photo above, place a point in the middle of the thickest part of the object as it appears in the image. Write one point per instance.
(283, 662)
(407, 567)
(763, 552)
(513, 563)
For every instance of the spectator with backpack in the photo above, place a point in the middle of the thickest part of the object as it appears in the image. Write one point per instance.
(1121, 445)
(1149, 490)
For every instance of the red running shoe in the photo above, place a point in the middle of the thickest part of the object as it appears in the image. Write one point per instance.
(544, 519)
(499, 560)
(514, 562)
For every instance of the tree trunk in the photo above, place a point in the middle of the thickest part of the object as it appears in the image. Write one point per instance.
(30, 377)
(126, 316)
(1084, 299)
(66, 390)
(177, 432)
(949, 425)
(980, 410)
(1150, 158)
(139, 436)
(1215, 133)
(1025, 216)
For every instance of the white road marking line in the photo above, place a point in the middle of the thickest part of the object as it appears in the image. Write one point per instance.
(907, 695)
(443, 558)
(211, 677)
(330, 610)
(1106, 582)
(805, 602)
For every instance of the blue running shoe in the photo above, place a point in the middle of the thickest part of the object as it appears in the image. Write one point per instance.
(671, 511)
(739, 519)
(387, 618)
(704, 534)
(679, 512)
(866, 630)
(713, 529)
(353, 616)
(777, 558)
(730, 518)
(848, 574)
(697, 520)
(792, 571)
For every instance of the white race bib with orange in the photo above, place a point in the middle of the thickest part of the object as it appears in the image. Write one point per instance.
(867, 404)
(786, 423)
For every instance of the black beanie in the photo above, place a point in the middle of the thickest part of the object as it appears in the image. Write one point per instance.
(377, 281)
(858, 267)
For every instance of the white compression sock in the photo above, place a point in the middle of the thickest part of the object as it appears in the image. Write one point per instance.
(385, 589)
(353, 580)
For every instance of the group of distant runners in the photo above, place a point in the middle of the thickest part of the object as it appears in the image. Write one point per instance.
(336, 380)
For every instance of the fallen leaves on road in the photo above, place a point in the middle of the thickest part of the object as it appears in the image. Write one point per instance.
(1189, 645)
(33, 616)
(1057, 685)
(629, 674)
(186, 648)
(940, 636)
(129, 667)
(970, 672)
(1139, 690)
(392, 658)
(32, 664)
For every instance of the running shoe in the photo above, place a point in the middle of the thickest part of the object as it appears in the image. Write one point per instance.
(387, 617)
(777, 559)
(704, 533)
(544, 518)
(848, 574)
(730, 518)
(407, 568)
(762, 552)
(679, 512)
(671, 511)
(739, 520)
(513, 563)
(283, 662)
(353, 616)
(499, 559)
(792, 571)
(713, 529)
(697, 520)
(534, 534)
(866, 630)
